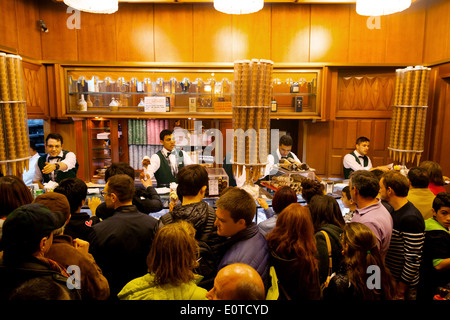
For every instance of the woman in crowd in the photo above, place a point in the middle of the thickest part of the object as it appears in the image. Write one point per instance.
(171, 262)
(435, 174)
(281, 199)
(293, 250)
(310, 188)
(363, 274)
(327, 217)
(14, 193)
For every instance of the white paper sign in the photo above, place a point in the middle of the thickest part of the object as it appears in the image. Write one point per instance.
(155, 104)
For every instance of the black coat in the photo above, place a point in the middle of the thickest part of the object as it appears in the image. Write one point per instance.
(120, 245)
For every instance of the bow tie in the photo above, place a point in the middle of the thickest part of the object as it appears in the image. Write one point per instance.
(362, 157)
(57, 157)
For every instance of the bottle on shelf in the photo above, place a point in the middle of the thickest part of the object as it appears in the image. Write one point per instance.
(114, 105)
(82, 104)
(273, 105)
(141, 105)
(89, 102)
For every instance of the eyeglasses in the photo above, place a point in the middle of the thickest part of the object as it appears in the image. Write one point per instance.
(103, 193)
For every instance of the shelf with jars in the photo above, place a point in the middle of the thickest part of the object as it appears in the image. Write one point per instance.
(169, 93)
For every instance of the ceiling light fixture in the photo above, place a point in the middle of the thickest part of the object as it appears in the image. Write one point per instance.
(94, 6)
(238, 6)
(380, 7)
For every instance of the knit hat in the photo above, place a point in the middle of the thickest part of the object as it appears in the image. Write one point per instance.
(58, 205)
(24, 228)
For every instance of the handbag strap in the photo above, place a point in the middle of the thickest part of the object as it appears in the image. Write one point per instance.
(330, 260)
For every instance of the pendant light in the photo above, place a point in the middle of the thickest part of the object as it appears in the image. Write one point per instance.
(238, 6)
(94, 6)
(380, 7)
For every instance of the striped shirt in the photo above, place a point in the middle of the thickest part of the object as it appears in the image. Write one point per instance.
(405, 251)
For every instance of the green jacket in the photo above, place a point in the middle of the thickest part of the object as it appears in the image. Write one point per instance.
(144, 288)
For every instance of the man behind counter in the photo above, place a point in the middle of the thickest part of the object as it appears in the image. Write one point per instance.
(283, 152)
(57, 164)
(165, 164)
(358, 159)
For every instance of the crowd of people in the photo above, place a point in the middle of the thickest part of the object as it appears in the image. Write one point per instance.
(395, 244)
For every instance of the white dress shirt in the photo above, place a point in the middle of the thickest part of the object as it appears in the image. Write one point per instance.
(350, 162)
(155, 162)
(70, 161)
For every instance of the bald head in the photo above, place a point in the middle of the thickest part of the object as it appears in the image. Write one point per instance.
(237, 281)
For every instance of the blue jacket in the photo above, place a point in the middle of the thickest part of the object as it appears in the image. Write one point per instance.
(250, 247)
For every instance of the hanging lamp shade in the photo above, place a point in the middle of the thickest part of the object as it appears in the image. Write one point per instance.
(380, 7)
(94, 6)
(238, 6)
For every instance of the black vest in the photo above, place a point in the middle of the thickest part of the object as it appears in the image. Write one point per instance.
(348, 171)
(164, 174)
(72, 173)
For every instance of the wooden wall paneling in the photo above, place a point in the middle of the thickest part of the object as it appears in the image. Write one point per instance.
(444, 159)
(437, 32)
(365, 129)
(317, 146)
(60, 42)
(134, 32)
(367, 44)
(290, 32)
(338, 133)
(380, 132)
(329, 33)
(80, 150)
(351, 134)
(114, 139)
(27, 13)
(405, 36)
(212, 35)
(56, 91)
(366, 94)
(97, 37)
(8, 24)
(436, 142)
(35, 82)
(173, 33)
(433, 115)
(123, 142)
(329, 93)
(252, 35)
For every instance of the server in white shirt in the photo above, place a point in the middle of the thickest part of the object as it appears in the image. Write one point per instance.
(283, 152)
(357, 159)
(57, 164)
(164, 164)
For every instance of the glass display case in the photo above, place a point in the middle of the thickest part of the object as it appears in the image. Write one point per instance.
(183, 92)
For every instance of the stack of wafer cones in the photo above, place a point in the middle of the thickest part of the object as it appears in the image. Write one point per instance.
(14, 139)
(409, 114)
(251, 116)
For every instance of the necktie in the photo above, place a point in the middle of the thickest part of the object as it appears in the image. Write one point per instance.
(170, 164)
(57, 157)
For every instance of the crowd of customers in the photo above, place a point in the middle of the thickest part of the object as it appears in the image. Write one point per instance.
(393, 245)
